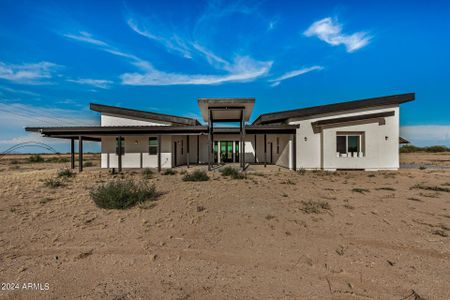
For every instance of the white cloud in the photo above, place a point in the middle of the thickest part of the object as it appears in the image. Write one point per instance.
(174, 43)
(330, 31)
(99, 83)
(85, 37)
(426, 135)
(294, 73)
(244, 69)
(33, 73)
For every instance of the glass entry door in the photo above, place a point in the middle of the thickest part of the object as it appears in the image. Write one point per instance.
(226, 151)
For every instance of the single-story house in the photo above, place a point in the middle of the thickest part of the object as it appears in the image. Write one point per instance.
(361, 134)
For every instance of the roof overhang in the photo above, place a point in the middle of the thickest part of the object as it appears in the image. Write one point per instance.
(96, 132)
(226, 109)
(143, 115)
(379, 118)
(284, 116)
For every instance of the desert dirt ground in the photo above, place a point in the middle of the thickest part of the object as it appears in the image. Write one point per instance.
(383, 236)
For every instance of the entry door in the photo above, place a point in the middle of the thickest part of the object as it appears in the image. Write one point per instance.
(226, 151)
(271, 152)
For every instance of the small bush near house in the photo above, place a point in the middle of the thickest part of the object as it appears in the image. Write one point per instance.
(197, 175)
(431, 188)
(147, 173)
(35, 158)
(53, 183)
(66, 173)
(169, 172)
(122, 194)
(315, 207)
(301, 171)
(233, 173)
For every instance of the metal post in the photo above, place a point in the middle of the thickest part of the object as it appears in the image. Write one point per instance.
(198, 149)
(265, 150)
(294, 154)
(80, 153)
(159, 153)
(255, 149)
(72, 153)
(119, 159)
(243, 141)
(187, 150)
(209, 141)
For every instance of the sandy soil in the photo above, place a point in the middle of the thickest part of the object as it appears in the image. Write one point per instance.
(233, 239)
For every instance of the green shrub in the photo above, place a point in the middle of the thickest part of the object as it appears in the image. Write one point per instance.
(431, 188)
(53, 183)
(435, 149)
(169, 172)
(431, 149)
(301, 171)
(197, 175)
(147, 173)
(56, 159)
(88, 164)
(66, 173)
(121, 194)
(232, 172)
(35, 158)
(360, 190)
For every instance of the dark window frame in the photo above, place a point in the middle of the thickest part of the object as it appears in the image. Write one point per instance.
(122, 146)
(153, 148)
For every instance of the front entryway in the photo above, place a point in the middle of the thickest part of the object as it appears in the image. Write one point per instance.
(225, 150)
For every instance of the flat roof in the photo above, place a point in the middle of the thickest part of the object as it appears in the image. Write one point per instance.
(282, 116)
(226, 109)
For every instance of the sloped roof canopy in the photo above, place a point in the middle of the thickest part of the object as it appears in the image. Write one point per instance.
(283, 116)
(226, 109)
(120, 111)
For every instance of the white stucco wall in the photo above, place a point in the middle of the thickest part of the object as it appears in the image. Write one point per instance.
(319, 149)
(112, 120)
(136, 150)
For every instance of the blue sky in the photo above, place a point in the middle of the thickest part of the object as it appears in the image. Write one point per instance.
(56, 57)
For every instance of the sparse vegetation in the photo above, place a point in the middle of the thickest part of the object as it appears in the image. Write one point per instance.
(14, 162)
(35, 158)
(233, 173)
(270, 217)
(147, 173)
(169, 172)
(431, 149)
(385, 188)
(197, 175)
(88, 164)
(301, 171)
(122, 194)
(315, 207)
(431, 188)
(340, 250)
(66, 173)
(53, 183)
(360, 190)
(200, 208)
(348, 206)
(440, 232)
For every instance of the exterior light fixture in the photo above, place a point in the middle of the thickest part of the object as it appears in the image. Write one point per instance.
(306, 139)
(386, 138)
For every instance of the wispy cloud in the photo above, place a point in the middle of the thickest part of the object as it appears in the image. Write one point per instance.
(17, 91)
(99, 83)
(427, 135)
(88, 38)
(243, 70)
(172, 42)
(294, 73)
(329, 30)
(34, 73)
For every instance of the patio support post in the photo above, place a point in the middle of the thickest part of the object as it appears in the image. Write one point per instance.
(72, 153)
(159, 153)
(255, 149)
(265, 150)
(294, 154)
(198, 149)
(80, 153)
(119, 159)
(209, 140)
(187, 150)
(243, 141)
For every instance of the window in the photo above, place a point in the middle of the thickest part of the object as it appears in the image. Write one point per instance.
(278, 145)
(182, 147)
(349, 144)
(153, 145)
(122, 148)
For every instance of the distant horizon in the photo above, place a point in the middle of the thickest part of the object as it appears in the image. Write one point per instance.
(157, 56)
